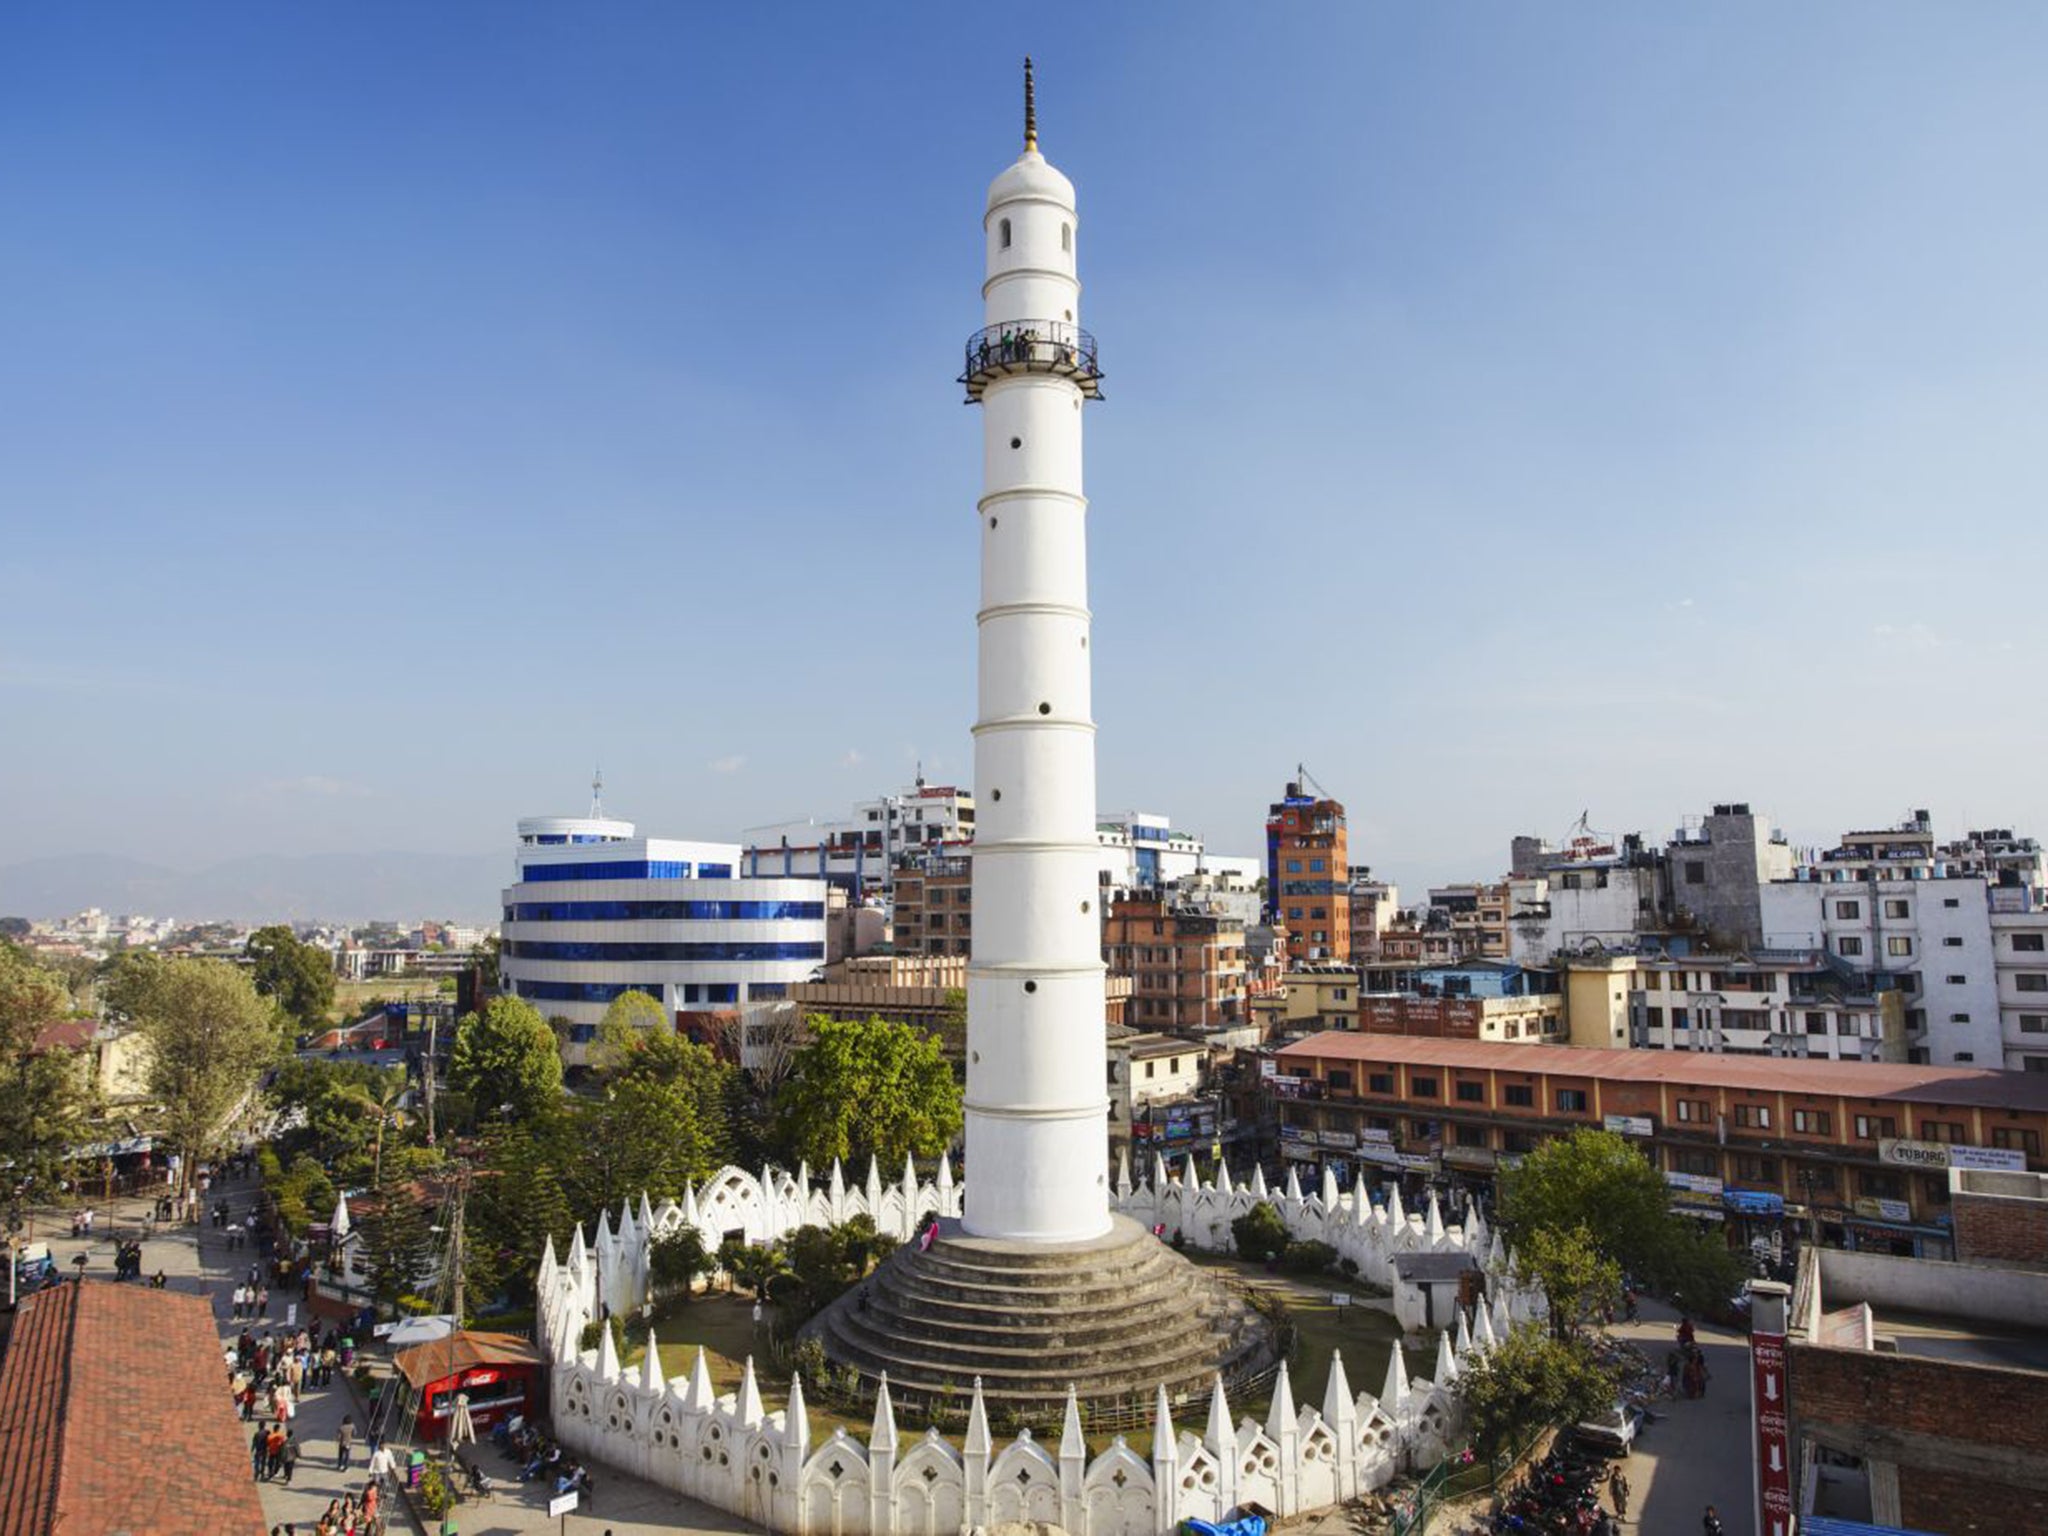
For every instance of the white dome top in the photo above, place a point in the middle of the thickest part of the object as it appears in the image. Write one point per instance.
(1032, 179)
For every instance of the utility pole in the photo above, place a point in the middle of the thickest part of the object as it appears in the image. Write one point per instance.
(427, 1073)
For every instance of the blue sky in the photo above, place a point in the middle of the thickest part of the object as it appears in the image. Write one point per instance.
(1512, 411)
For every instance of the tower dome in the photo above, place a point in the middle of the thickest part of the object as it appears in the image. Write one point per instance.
(1032, 179)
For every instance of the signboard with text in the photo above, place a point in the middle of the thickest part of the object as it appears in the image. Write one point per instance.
(1773, 1441)
(1631, 1125)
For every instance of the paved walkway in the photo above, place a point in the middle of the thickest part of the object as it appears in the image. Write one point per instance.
(199, 1260)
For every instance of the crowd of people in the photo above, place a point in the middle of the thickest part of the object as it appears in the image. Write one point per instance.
(539, 1457)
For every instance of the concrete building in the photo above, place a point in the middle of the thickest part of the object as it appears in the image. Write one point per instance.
(1916, 1392)
(1308, 875)
(594, 911)
(1718, 866)
(1374, 906)
(2019, 949)
(862, 853)
(1861, 1151)
(933, 913)
(1155, 1085)
(1477, 917)
(1186, 966)
(1795, 1004)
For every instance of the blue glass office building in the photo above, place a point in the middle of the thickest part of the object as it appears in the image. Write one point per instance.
(594, 911)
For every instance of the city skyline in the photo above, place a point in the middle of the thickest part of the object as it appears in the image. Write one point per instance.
(1503, 421)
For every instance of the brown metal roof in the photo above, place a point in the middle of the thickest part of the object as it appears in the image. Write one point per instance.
(429, 1362)
(115, 1416)
(1770, 1074)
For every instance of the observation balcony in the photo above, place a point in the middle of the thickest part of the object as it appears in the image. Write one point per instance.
(1031, 346)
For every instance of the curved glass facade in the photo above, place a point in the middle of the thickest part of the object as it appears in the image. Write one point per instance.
(661, 911)
(595, 949)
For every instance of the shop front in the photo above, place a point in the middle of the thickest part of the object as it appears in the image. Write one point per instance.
(499, 1374)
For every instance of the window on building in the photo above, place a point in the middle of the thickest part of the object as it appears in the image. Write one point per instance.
(1757, 1170)
(1898, 945)
(1472, 1093)
(1005, 232)
(1149, 1067)
(1422, 1087)
(1874, 1127)
(1895, 906)
(1695, 872)
(1379, 1082)
(1340, 1078)
(1521, 1142)
(1067, 241)
(2029, 943)
(1816, 1023)
(1571, 1101)
(1315, 866)
(1951, 901)
(2030, 981)
(1813, 1122)
(1518, 1095)
(1941, 1130)
(1819, 1177)
(1848, 944)
(1848, 911)
(1880, 1185)
(1702, 1164)
(1680, 1019)
(1953, 941)
(1957, 981)
(1959, 1018)
(1695, 1111)
(1934, 1190)
(2014, 1138)
(1294, 866)
(1754, 1116)
(2034, 1023)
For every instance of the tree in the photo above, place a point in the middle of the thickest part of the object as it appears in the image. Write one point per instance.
(872, 1087)
(754, 1265)
(505, 1059)
(1260, 1233)
(1527, 1381)
(640, 1136)
(1599, 1182)
(398, 1240)
(678, 1258)
(380, 1099)
(1576, 1277)
(299, 976)
(47, 1100)
(210, 1040)
(630, 1020)
(516, 1204)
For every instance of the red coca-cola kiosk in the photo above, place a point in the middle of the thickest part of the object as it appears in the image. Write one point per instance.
(499, 1372)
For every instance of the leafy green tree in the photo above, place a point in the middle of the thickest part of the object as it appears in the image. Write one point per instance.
(754, 1265)
(678, 1258)
(505, 1059)
(868, 1087)
(637, 1137)
(1599, 1182)
(46, 1095)
(300, 976)
(1527, 1381)
(487, 955)
(210, 1040)
(630, 1020)
(381, 1101)
(1260, 1233)
(1575, 1275)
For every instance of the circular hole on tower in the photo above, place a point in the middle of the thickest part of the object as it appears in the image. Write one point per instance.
(992, 522)
(995, 794)
(1084, 642)
(1045, 709)
(1016, 442)
(977, 1057)
(1084, 906)
(1030, 986)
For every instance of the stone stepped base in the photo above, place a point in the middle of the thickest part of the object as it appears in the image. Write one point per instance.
(1115, 1317)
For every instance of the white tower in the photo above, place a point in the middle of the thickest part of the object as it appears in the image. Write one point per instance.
(1037, 1127)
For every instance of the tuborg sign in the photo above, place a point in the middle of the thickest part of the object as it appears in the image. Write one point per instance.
(1933, 1154)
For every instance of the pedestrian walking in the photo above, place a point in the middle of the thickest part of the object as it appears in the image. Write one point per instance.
(258, 1451)
(1710, 1523)
(382, 1467)
(1617, 1489)
(263, 1301)
(288, 1457)
(344, 1442)
(273, 1451)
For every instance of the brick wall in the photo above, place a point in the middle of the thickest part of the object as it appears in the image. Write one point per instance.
(1978, 1409)
(2000, 1231)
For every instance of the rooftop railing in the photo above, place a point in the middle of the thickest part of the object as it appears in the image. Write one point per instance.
(1031, 346)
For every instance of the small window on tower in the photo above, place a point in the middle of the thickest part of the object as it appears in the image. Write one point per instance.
(1005, 228)
(1066, 237)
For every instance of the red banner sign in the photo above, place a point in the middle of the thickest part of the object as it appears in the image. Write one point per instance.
(1773, 1442)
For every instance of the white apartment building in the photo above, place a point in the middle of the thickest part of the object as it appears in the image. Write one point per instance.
(1794, 1006)
(1593, 909)
(2019, 943)
(859, 855)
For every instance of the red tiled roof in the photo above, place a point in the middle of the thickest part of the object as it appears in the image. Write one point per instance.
(66, 1035)
(428, 1362)
(1770, 1074)
(114, 1416)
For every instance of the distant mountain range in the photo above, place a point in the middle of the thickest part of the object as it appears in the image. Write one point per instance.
(321, 887)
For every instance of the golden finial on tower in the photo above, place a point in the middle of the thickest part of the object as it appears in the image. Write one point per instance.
(1030, 109)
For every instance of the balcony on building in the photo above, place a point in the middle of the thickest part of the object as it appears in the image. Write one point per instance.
(1031, 346)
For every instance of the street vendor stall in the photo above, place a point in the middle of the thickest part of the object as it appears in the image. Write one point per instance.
(499, 1373)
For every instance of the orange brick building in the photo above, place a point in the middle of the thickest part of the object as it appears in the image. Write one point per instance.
(1860, 1148)
(1186, 966)
(1308, 876)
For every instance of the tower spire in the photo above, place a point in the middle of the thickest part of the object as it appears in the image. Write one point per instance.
(597, 793)
(1030, 109)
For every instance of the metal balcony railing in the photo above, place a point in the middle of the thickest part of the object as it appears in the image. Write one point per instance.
(1031, 346)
